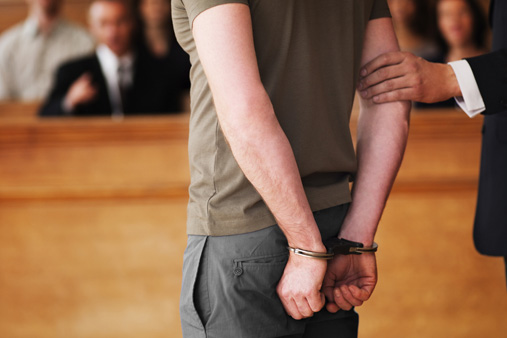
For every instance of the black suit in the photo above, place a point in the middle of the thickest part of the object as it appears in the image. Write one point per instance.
(490, 71)
(151, 92)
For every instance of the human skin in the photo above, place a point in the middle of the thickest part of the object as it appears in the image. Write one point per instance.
(224, 40)
(399, 76)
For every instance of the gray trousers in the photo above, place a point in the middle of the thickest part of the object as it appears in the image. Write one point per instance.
(229, 287)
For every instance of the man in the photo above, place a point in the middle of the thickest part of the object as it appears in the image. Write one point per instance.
(112, 81)
(31, 51)
(480, 86)
(272, 90)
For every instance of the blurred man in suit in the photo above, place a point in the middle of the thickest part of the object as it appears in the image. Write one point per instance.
(31, 51)
(479, 85)
(113, 80)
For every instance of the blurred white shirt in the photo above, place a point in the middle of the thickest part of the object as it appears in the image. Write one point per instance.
(111, 65)
(29, 59)
(471, 100)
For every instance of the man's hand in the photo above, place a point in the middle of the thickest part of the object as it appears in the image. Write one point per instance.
(349, 281)
(299, 288)
(400, 76)
(81, 91)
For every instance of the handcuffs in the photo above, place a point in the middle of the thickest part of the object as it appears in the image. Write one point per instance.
(336, 246)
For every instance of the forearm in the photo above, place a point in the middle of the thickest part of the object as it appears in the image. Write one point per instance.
(263, 152)
(381, 138)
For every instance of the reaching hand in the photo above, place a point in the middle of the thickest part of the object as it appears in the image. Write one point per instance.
(399, 76)
(299, 288)
(81, 91)
(349, 281)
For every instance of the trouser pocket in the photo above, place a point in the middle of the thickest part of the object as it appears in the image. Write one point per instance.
(191, 322)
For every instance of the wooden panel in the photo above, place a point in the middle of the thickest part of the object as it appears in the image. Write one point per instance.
(91, 268)
(92, 215)
(15, 11)
(432, 282)
(13, 110)
(443, 151)
(94, 158)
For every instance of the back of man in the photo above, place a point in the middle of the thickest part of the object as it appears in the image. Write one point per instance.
(309, 56)
(272, 89)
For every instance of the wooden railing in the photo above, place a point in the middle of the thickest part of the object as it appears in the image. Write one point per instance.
(92, 218)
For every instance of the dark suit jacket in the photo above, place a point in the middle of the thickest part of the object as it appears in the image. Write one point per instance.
(490, 71)
(151, 93)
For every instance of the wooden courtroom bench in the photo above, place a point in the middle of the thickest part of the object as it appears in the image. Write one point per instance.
(92, 226)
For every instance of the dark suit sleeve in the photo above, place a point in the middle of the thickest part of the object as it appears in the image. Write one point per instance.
(65, 77)
(490, 71)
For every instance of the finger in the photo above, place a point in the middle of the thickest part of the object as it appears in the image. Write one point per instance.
(332, 307)
(363, 293)
(340, 301)
(304, 308)
(406, 94)
(381, 75)
(380, 61)
(291, 308)
(295, 313)
(386, 86)
(288, 304)
(316, 301)
(349, 296)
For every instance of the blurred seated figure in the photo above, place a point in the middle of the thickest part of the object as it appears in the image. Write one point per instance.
(31, 51)
(413, 29)
(114, 80)
(461, 33)
(462, 27)
(156, 41)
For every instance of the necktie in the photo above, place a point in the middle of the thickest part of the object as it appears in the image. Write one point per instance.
(123, 85)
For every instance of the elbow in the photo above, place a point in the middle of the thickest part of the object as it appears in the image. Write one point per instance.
(244, 112)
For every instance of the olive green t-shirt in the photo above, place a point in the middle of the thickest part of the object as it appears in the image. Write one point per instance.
(309, 54)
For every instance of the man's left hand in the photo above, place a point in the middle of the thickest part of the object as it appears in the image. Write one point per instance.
(349, 281)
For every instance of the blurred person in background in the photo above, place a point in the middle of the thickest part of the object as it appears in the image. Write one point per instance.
(157, 43)
(31, 51)
(114, 80)
(461, 28)
(410, 20)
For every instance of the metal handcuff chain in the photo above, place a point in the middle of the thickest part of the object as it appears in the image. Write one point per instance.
(336, 246)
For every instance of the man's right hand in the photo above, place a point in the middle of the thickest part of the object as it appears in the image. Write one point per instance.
(402, 76)
(81, 91)
(299, 288)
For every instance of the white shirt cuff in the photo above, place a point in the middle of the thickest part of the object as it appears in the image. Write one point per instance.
(471, 100)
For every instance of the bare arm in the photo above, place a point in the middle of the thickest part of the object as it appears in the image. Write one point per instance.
(381, 138)
(382, 133)
(224, 41)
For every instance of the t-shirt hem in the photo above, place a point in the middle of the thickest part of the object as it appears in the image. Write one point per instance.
(202, 227)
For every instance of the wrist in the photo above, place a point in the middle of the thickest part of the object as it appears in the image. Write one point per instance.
(452, 82)
(356, 235)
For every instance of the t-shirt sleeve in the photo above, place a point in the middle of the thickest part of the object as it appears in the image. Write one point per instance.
(196, 7)
(380, 10)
